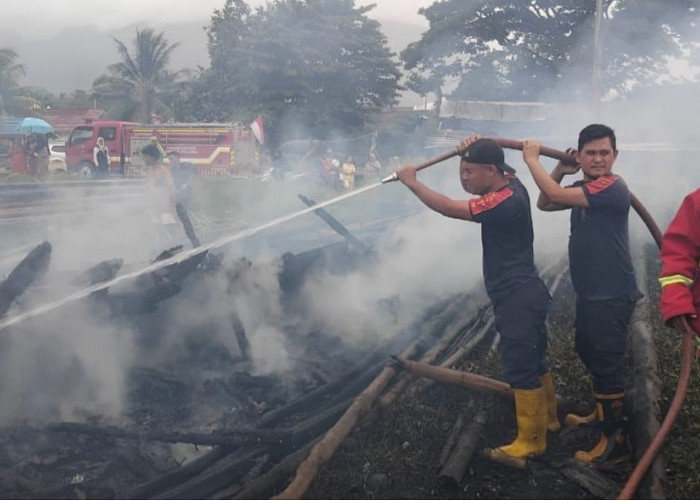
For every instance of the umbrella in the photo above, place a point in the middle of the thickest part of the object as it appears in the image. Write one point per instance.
(34, 126)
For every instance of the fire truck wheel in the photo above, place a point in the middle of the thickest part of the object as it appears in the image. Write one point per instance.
(85, 169)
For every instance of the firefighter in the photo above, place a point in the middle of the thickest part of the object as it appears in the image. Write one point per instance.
(520, 299)
(602, 275)
(161, 190)
(680, 255)
(154, 142)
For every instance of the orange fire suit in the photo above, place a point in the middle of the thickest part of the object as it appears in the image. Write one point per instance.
(680, 256)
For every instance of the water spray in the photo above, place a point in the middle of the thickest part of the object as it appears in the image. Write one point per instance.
(175, 259)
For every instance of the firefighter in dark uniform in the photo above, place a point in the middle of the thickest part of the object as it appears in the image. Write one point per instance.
(602, 275)
(519, 297)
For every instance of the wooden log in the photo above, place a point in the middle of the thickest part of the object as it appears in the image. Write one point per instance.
(453, 330)
(324, 449)
(178, 476)
(457, 377)
(451, 475)
(450, 443)
(645, 392)
(230, 469)
(263, 485)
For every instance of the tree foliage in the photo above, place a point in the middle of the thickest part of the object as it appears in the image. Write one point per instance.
(15, 99)
(319, 64)
(522, 50)
(140, 84)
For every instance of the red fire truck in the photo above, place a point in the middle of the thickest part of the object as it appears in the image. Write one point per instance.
(214, 148)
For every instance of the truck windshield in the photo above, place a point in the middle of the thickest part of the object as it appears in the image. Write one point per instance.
(80, 135)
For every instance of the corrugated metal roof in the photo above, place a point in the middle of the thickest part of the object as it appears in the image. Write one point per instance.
(497, 111)
(9, 127)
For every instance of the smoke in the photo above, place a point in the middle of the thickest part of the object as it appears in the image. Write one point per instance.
(76, 362)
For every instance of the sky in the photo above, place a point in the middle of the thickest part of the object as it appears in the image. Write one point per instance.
(51, 16)
(63, 45)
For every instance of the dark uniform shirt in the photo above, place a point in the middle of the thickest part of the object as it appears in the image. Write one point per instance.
(506, 237)
(599, 256)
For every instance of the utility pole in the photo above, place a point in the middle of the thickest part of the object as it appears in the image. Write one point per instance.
(597, 54)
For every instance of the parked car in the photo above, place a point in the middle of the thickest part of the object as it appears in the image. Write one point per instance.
(57, 158)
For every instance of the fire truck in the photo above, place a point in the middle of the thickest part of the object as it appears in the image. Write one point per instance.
(214, 148)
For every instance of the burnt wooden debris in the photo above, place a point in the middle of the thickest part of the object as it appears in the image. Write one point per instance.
(250, 435)
(28, 271)
(334, 223)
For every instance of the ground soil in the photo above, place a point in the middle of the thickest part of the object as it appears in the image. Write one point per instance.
(397, 454)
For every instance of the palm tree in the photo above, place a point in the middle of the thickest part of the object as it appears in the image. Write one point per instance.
(140, 84)
(14, 99)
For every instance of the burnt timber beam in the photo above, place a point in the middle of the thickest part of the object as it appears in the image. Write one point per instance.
(31, 268)
(334, 223)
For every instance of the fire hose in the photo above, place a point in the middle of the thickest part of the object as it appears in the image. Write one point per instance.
(688, 334)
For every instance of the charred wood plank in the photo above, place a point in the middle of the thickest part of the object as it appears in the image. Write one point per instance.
(231, 469)
(589, 478)
(325, 448)
(334, 224)
(265, 484)
(103, 271)
(178, 476)
(450, 443)
(216, 438)
(452, 473)
(239, 332)
(31, 268)
(346, 382)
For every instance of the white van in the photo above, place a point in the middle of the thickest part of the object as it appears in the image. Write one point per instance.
(57, 158)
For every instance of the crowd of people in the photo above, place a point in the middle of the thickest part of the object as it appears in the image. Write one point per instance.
(348, 175)
(601, 271)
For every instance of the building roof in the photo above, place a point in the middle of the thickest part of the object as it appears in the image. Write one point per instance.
(8, 127)
(498, 111)
(64, 120)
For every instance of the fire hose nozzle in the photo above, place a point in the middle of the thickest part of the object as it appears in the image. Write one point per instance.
(392, 178)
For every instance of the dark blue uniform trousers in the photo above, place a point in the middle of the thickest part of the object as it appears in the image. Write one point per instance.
(601, 340)
(520, 320)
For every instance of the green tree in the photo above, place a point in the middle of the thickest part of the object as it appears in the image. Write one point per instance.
(14, 99)
(522, 50)
(316, 65)
(141, 84)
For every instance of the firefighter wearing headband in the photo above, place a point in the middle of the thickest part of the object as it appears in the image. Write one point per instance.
(520, 299)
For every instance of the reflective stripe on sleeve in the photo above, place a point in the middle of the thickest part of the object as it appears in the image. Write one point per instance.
(675, 278)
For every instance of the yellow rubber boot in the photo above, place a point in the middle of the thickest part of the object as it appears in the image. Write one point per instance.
(574, 420)
(531, 418)
(612, 446)
(553, 424)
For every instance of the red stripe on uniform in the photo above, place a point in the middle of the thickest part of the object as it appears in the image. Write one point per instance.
(601, 183)
(489, 200)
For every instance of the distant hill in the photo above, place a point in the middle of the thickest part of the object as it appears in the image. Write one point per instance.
(74, 57)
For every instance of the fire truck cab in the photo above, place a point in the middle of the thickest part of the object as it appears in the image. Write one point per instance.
(214, 148)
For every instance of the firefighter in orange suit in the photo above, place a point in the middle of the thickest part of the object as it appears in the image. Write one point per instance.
(520, 299)
(680, 255)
